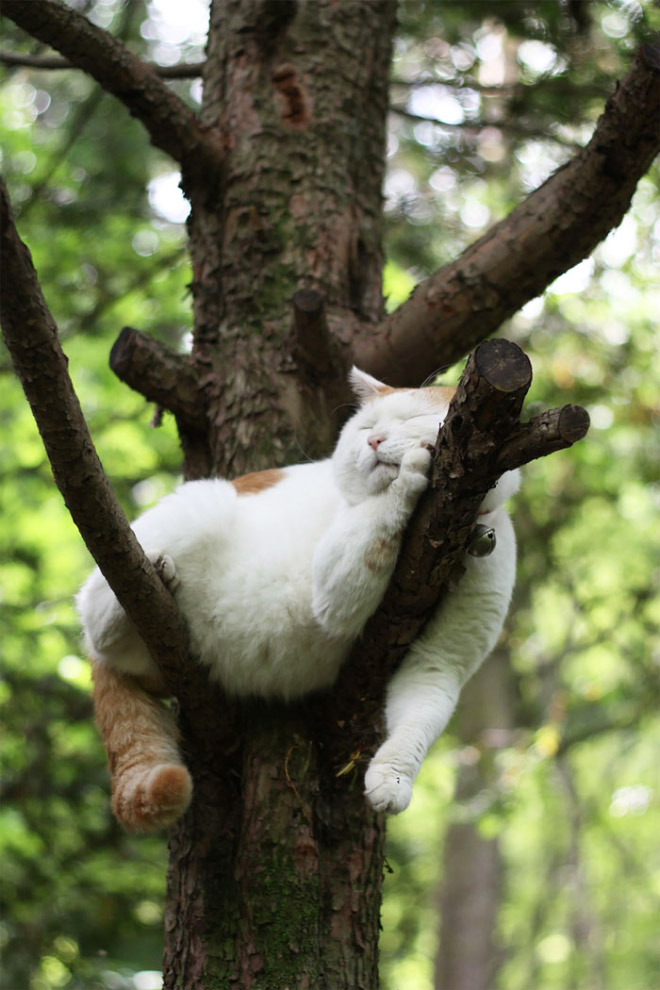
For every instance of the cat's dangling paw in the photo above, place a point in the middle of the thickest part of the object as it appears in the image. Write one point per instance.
(387, 788)
(164, 567)
(414, 470)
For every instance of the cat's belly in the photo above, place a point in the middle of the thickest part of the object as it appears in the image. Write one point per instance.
(272, 666)
(256, 632)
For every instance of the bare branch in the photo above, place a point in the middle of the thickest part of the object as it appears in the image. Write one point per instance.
(551, 84)
(184, 70)
(159, 375)
(555, 227)
(474, 127)
(481, 437)
(172, 126)
(31, 337)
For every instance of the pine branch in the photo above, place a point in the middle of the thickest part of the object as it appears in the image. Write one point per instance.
(30, 334)
(480, 438)
(171, 125)
(553, 229)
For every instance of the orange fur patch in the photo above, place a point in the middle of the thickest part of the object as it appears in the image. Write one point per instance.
(381, 553)
(438, 394)
(151, 787)
(441, 393)
(258, 481)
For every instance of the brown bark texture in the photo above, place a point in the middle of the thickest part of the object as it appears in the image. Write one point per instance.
(275, 872)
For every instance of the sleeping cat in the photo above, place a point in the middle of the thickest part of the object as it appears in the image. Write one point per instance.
(277, 573)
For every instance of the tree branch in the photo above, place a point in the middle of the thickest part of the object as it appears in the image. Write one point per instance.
(550, 84)
(159, 375)
(171, 125)
(480, 438)
(554, 228)
(474, 127)
(30, 334)
(184, 70)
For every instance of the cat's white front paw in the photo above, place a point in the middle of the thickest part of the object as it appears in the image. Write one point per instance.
(387, 788)
(164, 566)
(414, 471)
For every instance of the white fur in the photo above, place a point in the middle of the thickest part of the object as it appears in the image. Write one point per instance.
(276, 586)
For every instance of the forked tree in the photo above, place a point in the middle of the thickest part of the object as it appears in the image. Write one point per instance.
(275, 871)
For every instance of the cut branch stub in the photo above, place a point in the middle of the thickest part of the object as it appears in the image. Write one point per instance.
(480, 438)
(552, 430)
(313, 341)
(159, 375)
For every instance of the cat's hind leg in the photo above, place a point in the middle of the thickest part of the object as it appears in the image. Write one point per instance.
(151, 787)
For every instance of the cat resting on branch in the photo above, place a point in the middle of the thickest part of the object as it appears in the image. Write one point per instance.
(277, 574)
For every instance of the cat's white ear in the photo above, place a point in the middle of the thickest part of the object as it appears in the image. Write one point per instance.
(366, 386)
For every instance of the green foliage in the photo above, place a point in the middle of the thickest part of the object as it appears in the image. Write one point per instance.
(572, 796)
(82, 902)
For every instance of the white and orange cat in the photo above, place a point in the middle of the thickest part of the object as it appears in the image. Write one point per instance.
(277, 574)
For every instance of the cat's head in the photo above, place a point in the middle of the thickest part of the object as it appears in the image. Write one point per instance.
(388, 422)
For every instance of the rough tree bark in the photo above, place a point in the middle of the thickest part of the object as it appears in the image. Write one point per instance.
(275, 873)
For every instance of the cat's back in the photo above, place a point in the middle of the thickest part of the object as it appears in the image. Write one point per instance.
(249, 539)
(295, 499)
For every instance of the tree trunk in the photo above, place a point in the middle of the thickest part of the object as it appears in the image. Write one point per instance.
(297, 206)
(274, 873)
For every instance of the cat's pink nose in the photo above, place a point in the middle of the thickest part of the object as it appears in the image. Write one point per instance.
(375, 440)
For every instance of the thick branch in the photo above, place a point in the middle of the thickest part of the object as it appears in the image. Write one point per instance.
(183, 70)
(159, 375)
(172, 126)
(481, 437)
(554, 228)
(31, 337)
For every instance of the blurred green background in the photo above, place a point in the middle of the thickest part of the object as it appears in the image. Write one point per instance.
(543, 798)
